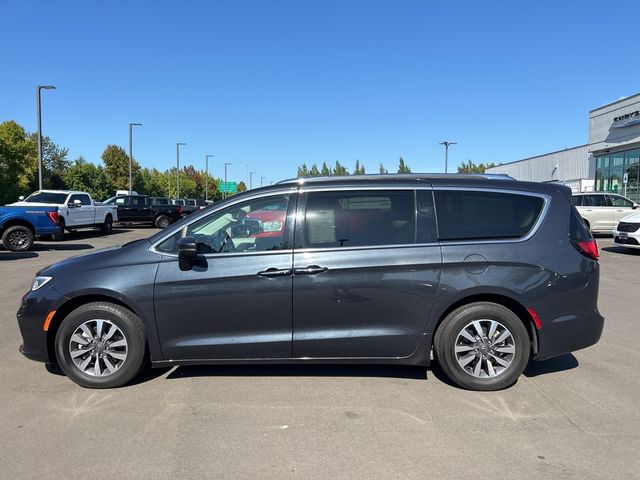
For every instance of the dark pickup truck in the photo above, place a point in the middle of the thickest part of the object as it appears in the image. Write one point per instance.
(20, 225)
(140, 209)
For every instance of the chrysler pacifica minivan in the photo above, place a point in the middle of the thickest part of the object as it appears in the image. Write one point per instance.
(480, 274)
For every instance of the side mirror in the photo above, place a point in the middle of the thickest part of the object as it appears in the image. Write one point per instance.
(187, 247)
(21, 198)
(187, 252)
(635, 206)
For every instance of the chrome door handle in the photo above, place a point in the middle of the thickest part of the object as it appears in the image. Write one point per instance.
(275, 272)
(310, 270)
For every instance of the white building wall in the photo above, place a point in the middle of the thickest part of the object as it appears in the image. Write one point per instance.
(569, 166)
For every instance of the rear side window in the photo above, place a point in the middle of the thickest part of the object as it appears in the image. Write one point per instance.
(355, 219)
(594, 201)
(577, 229)
(480, 215)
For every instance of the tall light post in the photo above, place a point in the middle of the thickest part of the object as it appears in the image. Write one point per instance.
(206, 176)
(131, 125)
(226, 164)
(178, 168)
(261, 179)
(39, 108)
(251, 174)
(446, 153)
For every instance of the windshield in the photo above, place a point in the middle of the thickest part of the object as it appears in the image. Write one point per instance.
(46, 197)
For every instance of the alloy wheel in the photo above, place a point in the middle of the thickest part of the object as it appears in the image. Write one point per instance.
(485, 348)
(98, 348)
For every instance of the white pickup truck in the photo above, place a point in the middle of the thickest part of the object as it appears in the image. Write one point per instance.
(75, 210)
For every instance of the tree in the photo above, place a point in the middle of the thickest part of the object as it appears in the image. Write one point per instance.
(325, 171)
(54, 164)
(303, 171)
(242, 187)
(471, 167)
(314, 172)
(116, 164)
(383, 170)
(14, 149)
(87, 177)
(358, 170)
(339, 169)
(402, 167)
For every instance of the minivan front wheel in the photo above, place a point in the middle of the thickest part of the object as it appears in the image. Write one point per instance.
(482, 346)
(101, 345)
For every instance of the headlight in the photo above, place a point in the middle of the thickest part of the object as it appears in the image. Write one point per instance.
(39, 282)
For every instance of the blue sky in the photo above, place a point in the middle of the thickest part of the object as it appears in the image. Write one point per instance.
(275, 83)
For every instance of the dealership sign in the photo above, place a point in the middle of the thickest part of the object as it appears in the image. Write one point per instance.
(627, 120)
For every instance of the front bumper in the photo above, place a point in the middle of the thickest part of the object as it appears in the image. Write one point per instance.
(626, 239)
(31, 315)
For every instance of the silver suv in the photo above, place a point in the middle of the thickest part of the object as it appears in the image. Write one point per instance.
(601, 212)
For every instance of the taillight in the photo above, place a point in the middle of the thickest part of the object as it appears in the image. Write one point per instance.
(179, 210)
(589, 248)
(53, 216)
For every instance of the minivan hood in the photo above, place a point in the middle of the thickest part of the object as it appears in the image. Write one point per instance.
(101, 258)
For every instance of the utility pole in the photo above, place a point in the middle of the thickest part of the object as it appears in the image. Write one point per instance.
(251, 174)
(131, 125)
(39, 108)
(226, 164)
(446, 153)
(178, 168)
(206, 177)
(261, 179)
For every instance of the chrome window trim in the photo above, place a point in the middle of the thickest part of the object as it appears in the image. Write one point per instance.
(245, 198)
(536, 226)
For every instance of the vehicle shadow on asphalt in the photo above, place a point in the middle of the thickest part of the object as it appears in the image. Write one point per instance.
(381, 371)
(557, 364)
(6, 256)
(622, 250)
(82, 235)
(60, 246)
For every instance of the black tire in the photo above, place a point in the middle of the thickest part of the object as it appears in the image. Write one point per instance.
(58, 237)
(18, 238)
(162, 221)
(131, 329)
(107, 226)
(447, 336)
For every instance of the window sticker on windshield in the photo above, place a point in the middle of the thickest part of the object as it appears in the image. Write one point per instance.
(321, 226)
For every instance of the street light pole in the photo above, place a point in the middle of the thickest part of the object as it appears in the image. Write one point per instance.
(446, 153)
(178, 168)
(131, 125)
(261, 179)
(251, 174)
(39, 108)
(206, 177)
(226, 164)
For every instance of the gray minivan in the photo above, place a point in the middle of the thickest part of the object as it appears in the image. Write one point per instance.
(480, 273)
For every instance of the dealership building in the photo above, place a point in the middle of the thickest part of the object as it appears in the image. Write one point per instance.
(610, 162)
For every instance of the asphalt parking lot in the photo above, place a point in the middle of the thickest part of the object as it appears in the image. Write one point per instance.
(577, 416)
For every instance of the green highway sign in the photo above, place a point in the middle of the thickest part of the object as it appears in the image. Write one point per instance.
(228, 187)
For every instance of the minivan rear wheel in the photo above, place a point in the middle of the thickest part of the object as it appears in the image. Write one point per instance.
(101, 345)
(482, 346)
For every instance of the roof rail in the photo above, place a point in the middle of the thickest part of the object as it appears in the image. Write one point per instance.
(395, 176)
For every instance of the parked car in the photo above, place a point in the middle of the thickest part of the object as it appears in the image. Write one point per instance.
(189, 205)
(160, 201)
(627, 232)
(484, 273)
(140, 209)
(75, 210)
(600, 211)
(19, 226)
